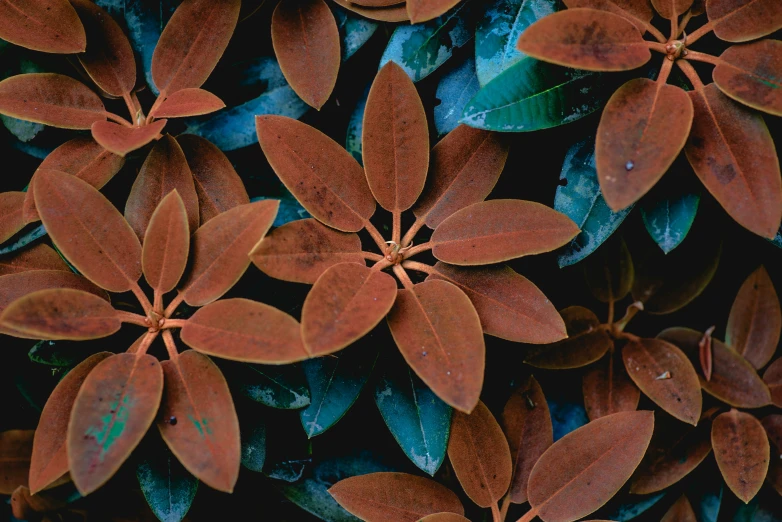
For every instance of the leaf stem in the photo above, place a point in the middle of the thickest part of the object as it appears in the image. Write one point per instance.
(665, 70)
(133, 348)
(396, 232)
(172, 306)
(657, 46)
(412, 231)
(495, 513)
(142, 298)
(371, 256)
(656, 33)
(160, 99)
(403, 277)
(690, 73)
(699, 32)
(174, 323)
(632, 310)
(423, 247)
(381, 264)
(683, 23)
(703, 57)
(146, 343)
(132, 109)
(173, 353)
(419, 267)
(505, 506)
(376, 235)
(130, 317)
(674, 26)
(157, 301)
(118, 119)
(529, 515)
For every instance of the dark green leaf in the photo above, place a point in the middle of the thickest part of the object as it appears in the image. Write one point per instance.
(566, 415)
(669, 215)
(166, 484)
(20, 241)
(288, 470)
(627, 507)
(354, 30)
(454, 91)
(356, 127)
(253, 435)
(60, 354)
(282, 387)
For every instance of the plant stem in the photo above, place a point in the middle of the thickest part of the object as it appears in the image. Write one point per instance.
(403, 277)
(529, 515)
(423, 247)
(172, 306)
(157, 302)
(412, 231)
(133, 348)
(146, 343)
(656, 33)
(632, 310)
(495, 513)
(376, 235)
(142, 298)
(674, 26)
(690, 73)
(683, 23)
(118, 119)
(130, 317)
(657, 46)
(170, 345)
(703, 57)
(699, 32)
(396, 231)
(381, 265)
(132, 109)
(174, 323)
(160, 98)
(665, 71)
(419, 267)
(372, 256)
(505, 506)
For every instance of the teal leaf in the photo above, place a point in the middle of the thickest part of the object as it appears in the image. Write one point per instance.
(764, 507)
(23, 130)
(579, 197)
(777, 241)
(566, 415)
(290, 209)
(354, 30)
(253, 435)
(623, 508)
(454, 91)
(60, 354)
(356, 128)
(31, 150)
(669, 217)
(419, 421)
(282, 387)
(420, 49)
(20, 241)
(533, 95)
(166, 484)
(500, 28)
(288, 470)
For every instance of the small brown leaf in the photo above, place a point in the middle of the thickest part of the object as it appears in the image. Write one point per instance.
(121, 140)
(745, 73)
(681, 510)
(744, 20)
(587, 342)
(609, 272)
(742, 452)
(705, 353)
(38, 257)
(15, 450)
(51, 26)
(11, 214)
(773, 379)
(166, 244)
(425, 10)
(188, 102)
(608, 389)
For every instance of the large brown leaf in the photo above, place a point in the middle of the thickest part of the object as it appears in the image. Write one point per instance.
(439, 334)
(608, 389)
(38, 257)
(746, 73)
(639, 12)
(121, 140)
(586, 39)
(51, 26)
(509, 305)
(88, 230)
(681, 510)
(189, 102)
(192, 43)
(198, 421)
(243, 330)
(731, 151)
(306, 42)
(393, 13)
(479, 454)
(587, 342)
(527, 426)
(773, 379)
(500, 230)
(744, 20)
(742, 452)
(755, 320)
(166, 244)
(586, 467)
(15, 449)
(394, 497)
(323, 176)
(112, 412)
(671, 8)
(465, 165)
(424, 10)
(643, 128)
(11, 214)
(220, 250)
(51, 99)
(395, 140)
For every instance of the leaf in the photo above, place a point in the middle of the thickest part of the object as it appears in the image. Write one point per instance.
(189, 102)
(15, 450)
(755, 320)
(424, 10)
(733, 379)
(707, 495)
(24, 240)
(743, 20)
(444, 517)
(600, 458)
(192, 43)
(773, 426)
(509, 305)
(88, 230)
(166, 244)
(773, 379)
(418, 420)
(167, 486)
(282, 387)
(672, 9)
(11, 214)
(307, 44)
(527, 426)
(668, 217)
(23, 130)
(436, 328)
(455, 89)
(608, 389)
(649, 361)
(51, 26)
(610, 273)
(113, 410)
(681, 510)
(335, 383)
(354, 31)
(145, 20)
(38, 257)
(243, 330)
(51, 99)
(393, 13)
(198, 421)
(533, 95)
(108, 58)
(420, 49)
(325, 179)
(731, 151)
(580, 198)
(567, 414)
(395, 140)
(219, 250)
(254, 444)
(638, 12)
(480, 457)
(356, 128)
(464, 168)
(744, 72)
(121, 140)
(742, 452)
(15, 286)
(587, 342)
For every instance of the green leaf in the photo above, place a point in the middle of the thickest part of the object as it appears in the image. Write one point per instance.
(627, 507)
(354, 30)
(60, 354)
(533, 95)
(669, 217)
(288, 470)
(20, 241)
(166, 484)
(421, 48)
(454, 91)
(705, 492)
(500, 28)
(282, 387)
(579, 197)
(419, 421)
(253, 434)
(356, 127)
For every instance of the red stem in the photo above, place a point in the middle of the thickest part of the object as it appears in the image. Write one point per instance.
(703, 57)
(130, 317)
(376, 235)
(403, 277)
(423, 247)
(419, 267)
(690, 73)
(699, 32)
(170, 345)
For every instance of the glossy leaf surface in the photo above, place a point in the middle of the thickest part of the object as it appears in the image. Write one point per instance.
(608, 389)
(15, 449)
(745, 73)
(586, 342)
(121, 140)
(39, 257)
(455, 89)
(189, 102)
(166, 244)
(167, 486)
(51, 26)
(742, 451)
(743, 20)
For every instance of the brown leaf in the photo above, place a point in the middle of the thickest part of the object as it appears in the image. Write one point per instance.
(439, 334)
(608, 389)
(27, 506)
(671, 8)
(745, 73)
(705, 356)
(773, 379)
(11, 214)
(51, 26)
(731, 151)
(15, 450)
(17, 285)
(51, 99)
(609, 272)
(189, 102)
(425, 10)
(121, 140)
(742, 452)
(243, 330)
(166, 244)
(642, 130)
(639, 12)
(38, 257)
(393, 13)
(681, 510)
(755, 320)
(479, 454)
(586, 467)
(444, 517)
(394, 497)
(587, 342)
(586, 39)
(773, 426)
(744, 20)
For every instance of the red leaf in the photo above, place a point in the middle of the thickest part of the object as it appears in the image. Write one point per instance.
(393, 13)
(17, 285)
(639, 12)
(608, 389)
(425, 10)
(395, 140)
(587, 342)
(671, 8)
(38, 257)
(51, 99)
(773, 379)
(166, 244)
(11, 214)
(744, 20)
(121, 140)
(51, 26)
(189, 102)
(681, 510)
(745, 73)
(15, 449)
(742, 452)
(113, 411)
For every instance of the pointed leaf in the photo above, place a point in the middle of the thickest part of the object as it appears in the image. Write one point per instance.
(253, 436)
(166, 244)
(455, 89)
(113, 410)
(39, 257)
(587, 342)
(393, 13)
(282, 387)
(11, 214)
(121, 140)
(742, 452)
(189, 102)
(669, 216)
(743, 20)
(51, 26)
(671, 8)
(608, 389)
(773, 379)
(745, 73)
(681, 510)
(167, 486)
(638, 12)
(15, 450)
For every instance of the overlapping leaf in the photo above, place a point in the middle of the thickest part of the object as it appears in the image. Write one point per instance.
(51, 26)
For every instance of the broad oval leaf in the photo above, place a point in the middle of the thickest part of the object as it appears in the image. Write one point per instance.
(188, 102)
(51, 26)
(166, 244)
(347, 301)
(306, 42)
(746, 74)
(731, 151)
(639, 12)
(192, 43)
(742, 452)
(88, 230)
(395, 140)
(17, 285)
(590, 464)
(121, 140)
(394, 497)
(198, 421)
(436, 328)
(587, 342)
(243, 330)
(607, 388)
(500, 230)
(15, 449)
(755, 320)
(479, 454)
(586, 39)
(393, 13)
(38, 257)
(455, 89)
(11, 214)
(424, 10)
(681, 510)
(220, 248)
(743, 20)
(665, 375)
(51, 99)
(643, 128)
(112, 412)
(323, 176)
(167, 486)
(671, 8)
(773, 379)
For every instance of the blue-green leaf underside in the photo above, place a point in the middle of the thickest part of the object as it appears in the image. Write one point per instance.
(253, 435)
(354, 30)
(356, 128)
(566, 415)
(669, 217)
(454, 91)
(282, 387)
(167, 486)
